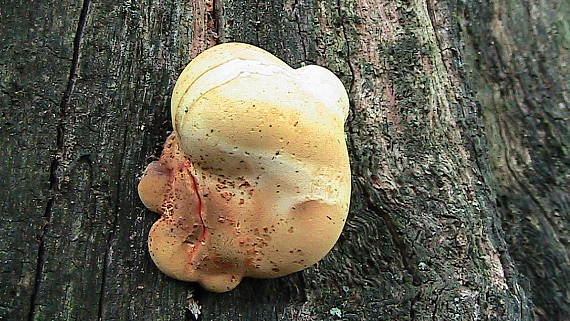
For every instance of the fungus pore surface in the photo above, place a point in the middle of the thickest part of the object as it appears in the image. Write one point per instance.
(255, 179)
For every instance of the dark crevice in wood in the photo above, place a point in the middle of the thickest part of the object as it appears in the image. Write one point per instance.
(215, 16)
(53, 180)
(41, 250)
(431, 14)
(435, 303)
(397, 240)
(297, 19)
(74, 71)
(412, 302)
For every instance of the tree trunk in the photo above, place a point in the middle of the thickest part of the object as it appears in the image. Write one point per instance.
(458, 137)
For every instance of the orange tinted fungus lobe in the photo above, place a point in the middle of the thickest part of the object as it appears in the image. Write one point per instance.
(255, 179)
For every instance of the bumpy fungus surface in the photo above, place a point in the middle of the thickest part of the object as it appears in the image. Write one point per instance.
(255, 179)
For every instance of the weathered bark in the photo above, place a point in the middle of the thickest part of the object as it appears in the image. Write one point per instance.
(85, 105)
(518, 53)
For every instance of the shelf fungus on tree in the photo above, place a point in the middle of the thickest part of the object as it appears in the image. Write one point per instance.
(255, 179)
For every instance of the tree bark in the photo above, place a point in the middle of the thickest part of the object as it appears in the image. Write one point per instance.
(518, 56)
(458, 138)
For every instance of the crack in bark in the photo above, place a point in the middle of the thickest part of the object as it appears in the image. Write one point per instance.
(53, 180)
(215, 16)
(435, 303)
(297, 19)
(74, 73)
(431, 14)
(41, 249)
(394, 234)
(413, 301)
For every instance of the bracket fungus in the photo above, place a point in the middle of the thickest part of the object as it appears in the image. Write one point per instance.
(254, 181)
